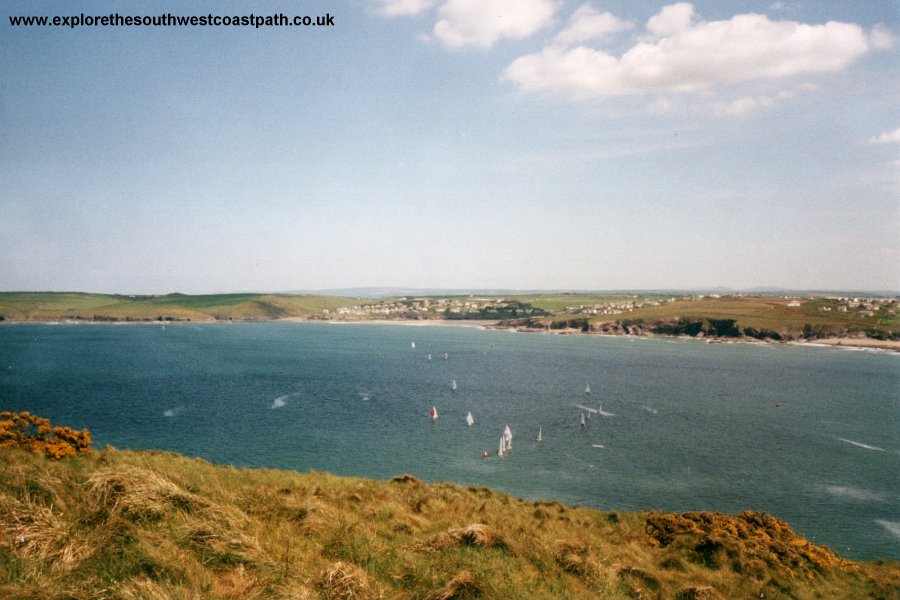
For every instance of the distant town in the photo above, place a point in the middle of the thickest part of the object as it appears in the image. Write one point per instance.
(441, 308)
(473, 307)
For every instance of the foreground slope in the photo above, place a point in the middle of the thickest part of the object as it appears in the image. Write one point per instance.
(128, 524)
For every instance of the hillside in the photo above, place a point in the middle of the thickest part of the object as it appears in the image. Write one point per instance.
(757, 317)
(46, 306)
(751, 317)
(123, 524)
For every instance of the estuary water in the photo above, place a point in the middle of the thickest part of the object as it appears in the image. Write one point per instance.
(805, 433)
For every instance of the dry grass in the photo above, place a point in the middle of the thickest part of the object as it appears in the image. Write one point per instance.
(345, 581)
(156, 525)
(699, 592)
(465, 584)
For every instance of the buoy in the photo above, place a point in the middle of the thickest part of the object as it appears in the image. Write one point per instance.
(485, 455)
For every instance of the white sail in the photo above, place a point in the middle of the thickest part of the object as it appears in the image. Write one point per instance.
(470, 420)
(413, 345)
(453, 385)
(582, 419)
(540, 437)
(434, 414)
(429, 357)
(507, 437)
(587, 389)
(502, 446)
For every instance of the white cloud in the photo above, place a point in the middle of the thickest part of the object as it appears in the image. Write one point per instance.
(483, 22)
(397, 8)
(697, 57)
(672, 19)
(742, 107)
(886, 137)
(588, 23)
(882, 38)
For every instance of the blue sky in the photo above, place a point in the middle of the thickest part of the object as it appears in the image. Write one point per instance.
(454, 143)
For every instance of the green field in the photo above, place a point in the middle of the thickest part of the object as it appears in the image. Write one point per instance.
(153, 525)
(764, 314)
(44, 306)
(558, 302)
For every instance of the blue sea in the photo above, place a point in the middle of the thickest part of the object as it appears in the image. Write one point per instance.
(808, 434)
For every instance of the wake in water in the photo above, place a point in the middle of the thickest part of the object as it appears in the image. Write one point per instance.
(596, 411)
(173, 412)
(364, 396)
(861, 445)
(892, 526)
(650, 410)
(854, 493)
(279, 402)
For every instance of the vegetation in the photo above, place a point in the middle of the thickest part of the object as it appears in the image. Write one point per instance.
(761, 317)
(43, 306)
(136, 525)
(558, 302)
(736, 316)
(29, 432)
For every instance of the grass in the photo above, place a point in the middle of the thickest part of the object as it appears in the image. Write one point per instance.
(765, 314)
(558, 302)
(123, 524)
(42, 306)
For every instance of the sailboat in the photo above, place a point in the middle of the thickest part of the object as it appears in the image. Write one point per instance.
(470, 420)
(502, 446)
(453, 385)
(429, 356)
(587, 389)
(540, 437)
(582, 419)
(507, 437)
(413, 345)
(433, 414)
(445, 356)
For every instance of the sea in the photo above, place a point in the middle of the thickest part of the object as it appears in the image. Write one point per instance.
(808, 434)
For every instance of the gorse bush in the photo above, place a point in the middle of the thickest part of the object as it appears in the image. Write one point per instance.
(30, 432)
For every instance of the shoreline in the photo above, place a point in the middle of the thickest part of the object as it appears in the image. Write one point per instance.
(849, 343)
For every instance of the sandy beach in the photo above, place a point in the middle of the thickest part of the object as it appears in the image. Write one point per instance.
(858, 343)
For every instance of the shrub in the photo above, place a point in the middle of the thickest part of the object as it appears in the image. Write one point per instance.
(30, 432)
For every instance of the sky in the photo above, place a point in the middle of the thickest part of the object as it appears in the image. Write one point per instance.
(517, 144)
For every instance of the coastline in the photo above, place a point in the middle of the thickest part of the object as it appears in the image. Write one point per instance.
(858, 343)
(479, 324)
(850, 343)
(870, 343)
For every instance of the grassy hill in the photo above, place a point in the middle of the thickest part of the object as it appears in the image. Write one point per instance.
(754, 316)
(730, 316)
(43, 306)
(153, 525)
